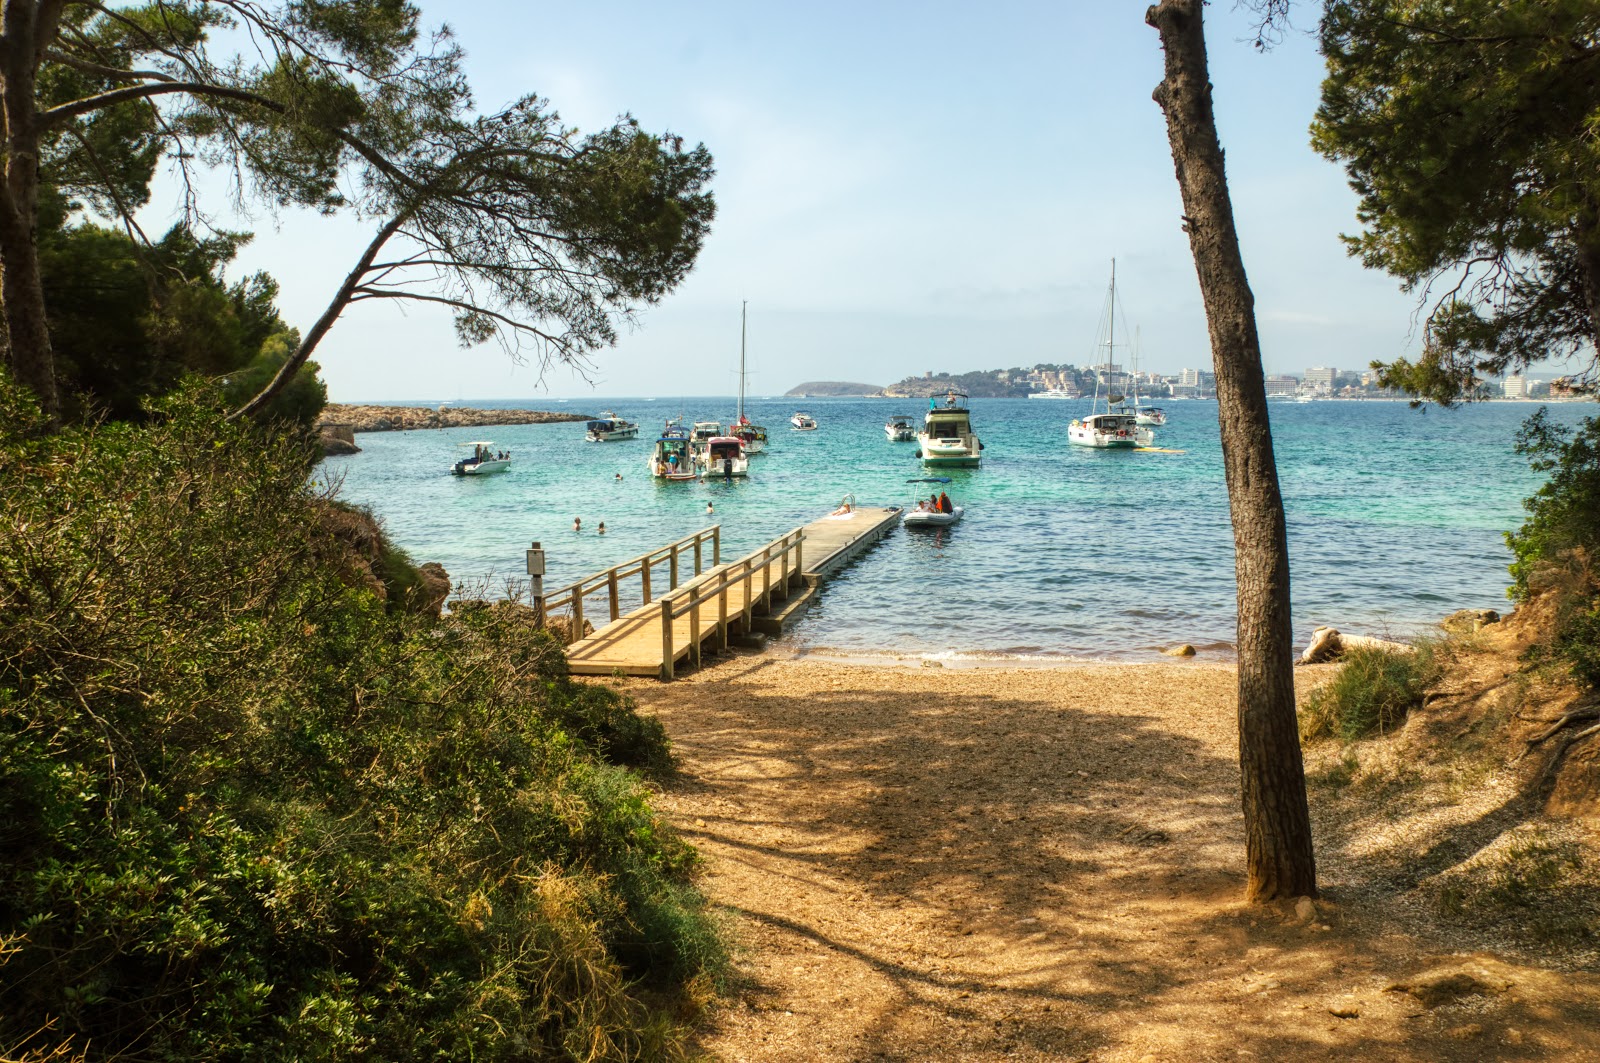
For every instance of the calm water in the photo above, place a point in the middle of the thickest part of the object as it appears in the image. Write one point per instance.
(1395, 518)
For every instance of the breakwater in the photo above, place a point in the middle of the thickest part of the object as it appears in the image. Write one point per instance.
(404, 418)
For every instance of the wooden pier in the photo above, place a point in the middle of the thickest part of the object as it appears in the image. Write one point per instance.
(761, 591)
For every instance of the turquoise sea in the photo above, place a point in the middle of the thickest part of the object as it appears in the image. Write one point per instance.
(1395, 517)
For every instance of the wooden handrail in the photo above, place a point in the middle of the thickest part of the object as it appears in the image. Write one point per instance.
(572, 595)
(716, 585)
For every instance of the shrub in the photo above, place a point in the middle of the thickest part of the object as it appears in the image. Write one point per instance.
(1556, 545)
(1372, 691)
(250, 813)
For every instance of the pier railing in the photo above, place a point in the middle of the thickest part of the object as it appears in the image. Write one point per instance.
(783, 554)
(673, 555)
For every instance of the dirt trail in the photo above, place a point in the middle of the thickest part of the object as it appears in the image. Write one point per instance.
(1011, 864)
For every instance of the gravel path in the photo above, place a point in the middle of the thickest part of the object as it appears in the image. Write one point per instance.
(1038, 864)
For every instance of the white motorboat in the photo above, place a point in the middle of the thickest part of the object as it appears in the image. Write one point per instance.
(1151, 416)
(485, 460)
(803, 422)
(936, 511)
(672, 459)
(609, 426)
(900, 428)
(723, 456)
(947, 437)
(1116, 427)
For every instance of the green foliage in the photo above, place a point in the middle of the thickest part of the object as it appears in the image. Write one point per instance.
(249, 813)
(1467, 128)
(1372, 692)
(128, 321)
(1556, 546)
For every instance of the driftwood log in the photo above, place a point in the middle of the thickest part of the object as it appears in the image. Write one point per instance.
(1329, 644)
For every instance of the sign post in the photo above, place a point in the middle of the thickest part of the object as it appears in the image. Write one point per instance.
(536, 579)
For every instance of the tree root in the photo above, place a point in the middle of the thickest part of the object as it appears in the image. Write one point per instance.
(1583, 714)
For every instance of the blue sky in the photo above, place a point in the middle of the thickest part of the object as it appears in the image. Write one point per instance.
(901, 187)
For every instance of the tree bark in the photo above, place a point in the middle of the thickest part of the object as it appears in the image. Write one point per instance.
(22, 306)
(1588, 244)
(1278, 852)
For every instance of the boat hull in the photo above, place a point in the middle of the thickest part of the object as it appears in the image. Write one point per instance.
(929, 519)
(482, 468)
(948, 453)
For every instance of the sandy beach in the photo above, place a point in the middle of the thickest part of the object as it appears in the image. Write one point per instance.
(1041, 864)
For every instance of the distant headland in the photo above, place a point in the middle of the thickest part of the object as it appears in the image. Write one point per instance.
(830, 389)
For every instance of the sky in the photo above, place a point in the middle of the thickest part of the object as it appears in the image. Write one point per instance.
(901, 187)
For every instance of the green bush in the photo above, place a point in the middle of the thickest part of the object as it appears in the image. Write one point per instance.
(1372, 692)
(1557, 545)
(250, 813)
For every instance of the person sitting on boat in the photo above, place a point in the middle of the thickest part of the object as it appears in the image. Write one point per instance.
(944, 503)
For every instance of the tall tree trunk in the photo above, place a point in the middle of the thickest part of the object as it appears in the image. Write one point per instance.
(21, 290)
(1588, 244)
(1278, 850)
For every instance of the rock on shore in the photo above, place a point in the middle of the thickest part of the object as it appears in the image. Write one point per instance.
(398, 418)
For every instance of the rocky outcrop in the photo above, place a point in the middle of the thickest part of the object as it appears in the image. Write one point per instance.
(337, 439)
(403, 418)
(433, 589)
(1329, 644)
(1469, 621)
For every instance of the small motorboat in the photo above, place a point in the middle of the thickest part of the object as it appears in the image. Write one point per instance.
(608, 427)
(723, 456)
(936, 511)
(485, 460)
(900, 428)
(803, 422)
(671, 459)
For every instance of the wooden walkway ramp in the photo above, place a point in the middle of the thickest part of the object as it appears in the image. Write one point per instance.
(762, 590)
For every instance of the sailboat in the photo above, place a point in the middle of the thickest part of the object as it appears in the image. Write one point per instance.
(1149, 416)
(753, 436)
(1116, 427)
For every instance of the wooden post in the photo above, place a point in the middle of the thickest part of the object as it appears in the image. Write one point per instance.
(577, 612)
(666, 639)
(722, 617)
(673, 574)
(749, 582)
(694, 626)
(697, 541)
(611, 585)
(644, 577)
(716, 544)
(799, 554)
(766, 581)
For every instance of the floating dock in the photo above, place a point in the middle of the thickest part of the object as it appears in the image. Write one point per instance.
(760, 592)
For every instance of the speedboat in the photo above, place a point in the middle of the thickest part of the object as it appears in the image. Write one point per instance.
(900, 428)
(672, 459)
(609, 426)
(485, 460)
(803, 422)
(928, 512)
(947, 437)
(723, 456)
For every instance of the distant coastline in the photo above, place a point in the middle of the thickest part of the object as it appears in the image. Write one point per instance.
(363, 418)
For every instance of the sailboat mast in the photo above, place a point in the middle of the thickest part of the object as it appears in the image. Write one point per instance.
(1111, 332)
(744, 307)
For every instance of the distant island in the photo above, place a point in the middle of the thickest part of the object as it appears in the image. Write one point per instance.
(830, 389)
